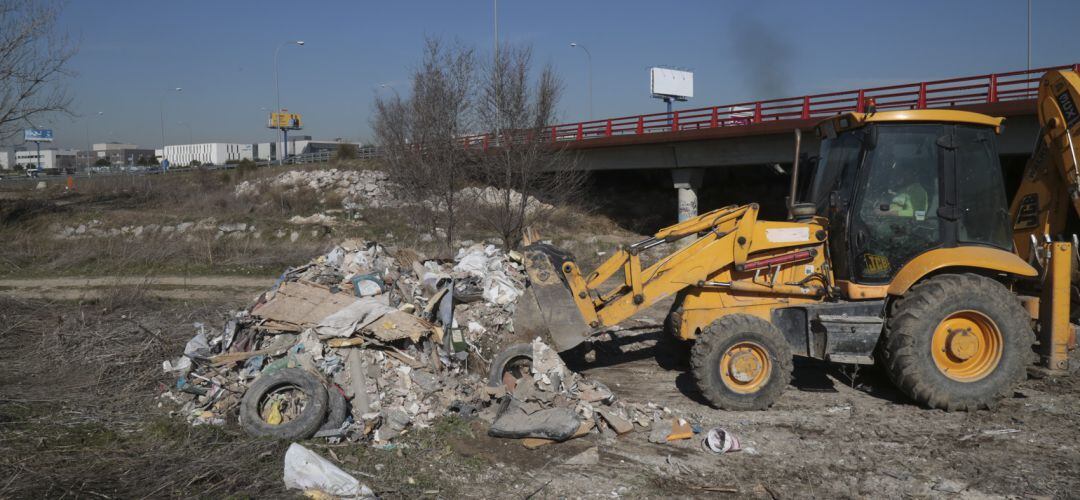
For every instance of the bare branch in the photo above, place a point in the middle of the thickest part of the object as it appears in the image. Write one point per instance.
(33, 64)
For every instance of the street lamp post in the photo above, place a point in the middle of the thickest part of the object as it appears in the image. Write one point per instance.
(88, 146)
(277, 92)
(587, 54)
(163, 96)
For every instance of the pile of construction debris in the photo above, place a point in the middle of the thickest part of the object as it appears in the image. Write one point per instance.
(365, 342)
(359, 189)
(363, 338)
(356, 188)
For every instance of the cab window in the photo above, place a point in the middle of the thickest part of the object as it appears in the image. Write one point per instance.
(895, 217)
(838, 155)
(984, 216)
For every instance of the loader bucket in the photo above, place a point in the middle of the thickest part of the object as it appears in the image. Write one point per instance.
(547, 309)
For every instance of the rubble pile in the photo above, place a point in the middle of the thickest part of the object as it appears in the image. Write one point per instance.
(374, 189)
(366, 342)
(357, 188)
(371, 327)
(493, 197)
(550, 403)
(198, 230)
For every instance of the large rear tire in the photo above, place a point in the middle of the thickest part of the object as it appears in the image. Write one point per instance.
(958, 342)
(741, 362)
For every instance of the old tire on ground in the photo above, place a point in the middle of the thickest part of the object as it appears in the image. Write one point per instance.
(516, 359)
(741, 362)
(338, 410)
(303, 426)
(957, 342)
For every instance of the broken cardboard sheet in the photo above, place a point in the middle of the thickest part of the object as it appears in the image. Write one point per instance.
(301, 305)
(359, 314)
(398, 325)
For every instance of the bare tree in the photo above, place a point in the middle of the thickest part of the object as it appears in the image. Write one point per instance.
(529, 174)
(33, 64)
(421, 135)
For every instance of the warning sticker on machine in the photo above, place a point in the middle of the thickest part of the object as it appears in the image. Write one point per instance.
(787, 234)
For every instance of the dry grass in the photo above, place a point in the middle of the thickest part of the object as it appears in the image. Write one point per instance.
(79, 416)
(31, 226)
(76, 405)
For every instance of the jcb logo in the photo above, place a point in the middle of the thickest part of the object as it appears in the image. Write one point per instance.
(1027, 216)
(876, 265)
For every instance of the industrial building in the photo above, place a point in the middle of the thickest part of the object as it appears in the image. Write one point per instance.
(213, 153)
(51, 159)
(115, 153)
(298, 145)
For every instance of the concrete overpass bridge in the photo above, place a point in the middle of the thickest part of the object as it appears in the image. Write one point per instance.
(761, 132)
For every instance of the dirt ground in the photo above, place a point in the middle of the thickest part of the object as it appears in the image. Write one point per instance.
(80, 418)
(80, 375)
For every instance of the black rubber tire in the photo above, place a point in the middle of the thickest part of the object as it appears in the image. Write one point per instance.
(303, 426)
(339, 410)
(909, 331)
(717, 338)
(498, 365)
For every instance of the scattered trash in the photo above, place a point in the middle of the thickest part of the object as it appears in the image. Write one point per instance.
(720, 441)
(306, 470)
(366, 343)
(350, 346)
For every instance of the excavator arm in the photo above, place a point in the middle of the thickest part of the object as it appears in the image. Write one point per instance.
(1040, 210)
(733, 251)
(1051, 181)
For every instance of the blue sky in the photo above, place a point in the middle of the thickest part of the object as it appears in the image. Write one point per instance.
(221, 53)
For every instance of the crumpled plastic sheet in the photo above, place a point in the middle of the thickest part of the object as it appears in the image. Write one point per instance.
(306, 470)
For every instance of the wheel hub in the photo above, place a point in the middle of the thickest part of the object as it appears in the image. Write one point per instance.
(967, 346)
(962, 344)
(745, 367)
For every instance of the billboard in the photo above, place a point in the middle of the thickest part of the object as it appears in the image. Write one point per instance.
(285, 120)
(37, 135)
(674, 83)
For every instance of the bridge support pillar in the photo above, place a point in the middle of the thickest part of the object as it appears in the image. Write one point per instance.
(687, 181)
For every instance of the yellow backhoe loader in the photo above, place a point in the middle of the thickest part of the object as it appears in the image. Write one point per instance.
(902, 251)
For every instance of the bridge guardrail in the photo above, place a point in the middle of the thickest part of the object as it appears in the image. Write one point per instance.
(981, 89)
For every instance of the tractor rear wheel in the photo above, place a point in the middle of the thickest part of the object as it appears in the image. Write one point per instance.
(957, 342)
(741, 362)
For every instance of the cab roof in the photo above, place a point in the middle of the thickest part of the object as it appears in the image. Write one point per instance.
(847, 121)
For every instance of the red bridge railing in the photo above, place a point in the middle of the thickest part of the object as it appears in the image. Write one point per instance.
(982, 89)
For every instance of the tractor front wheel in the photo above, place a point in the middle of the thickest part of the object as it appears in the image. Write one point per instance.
(741, 362)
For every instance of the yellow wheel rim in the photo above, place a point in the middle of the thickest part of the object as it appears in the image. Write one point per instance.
(745, 367)
(967, 346)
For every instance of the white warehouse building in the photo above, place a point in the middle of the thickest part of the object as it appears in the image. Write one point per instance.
(50, 159)
(212, 153)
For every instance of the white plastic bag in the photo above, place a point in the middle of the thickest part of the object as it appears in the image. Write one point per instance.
(306, 470)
